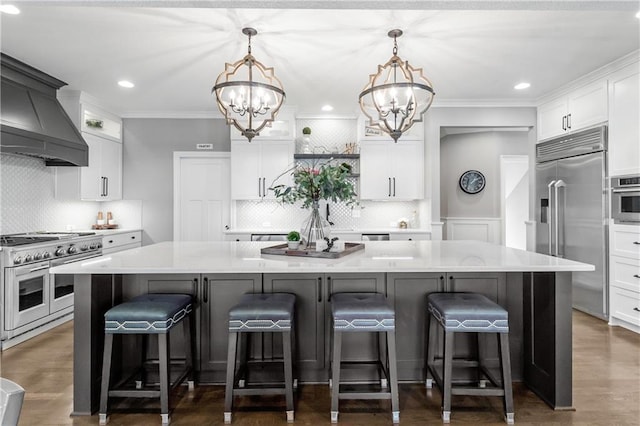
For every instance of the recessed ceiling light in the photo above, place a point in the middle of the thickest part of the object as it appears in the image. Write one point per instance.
(327, 108)
(125, 83)
(10, 9)
(522, 86)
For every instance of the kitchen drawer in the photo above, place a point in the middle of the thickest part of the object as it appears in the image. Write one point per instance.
(625, 273)
(625, 241)
(121, 248)
(240, 236)
(625, 305)
(409, 236)
(119, 240)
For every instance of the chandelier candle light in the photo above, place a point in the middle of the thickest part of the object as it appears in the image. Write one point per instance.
(397, 95)
(248, 94)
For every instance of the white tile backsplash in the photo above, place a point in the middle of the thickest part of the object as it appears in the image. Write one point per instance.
(28, 203)
(272, 214)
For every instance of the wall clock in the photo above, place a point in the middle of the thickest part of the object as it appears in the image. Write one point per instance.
(472, 181)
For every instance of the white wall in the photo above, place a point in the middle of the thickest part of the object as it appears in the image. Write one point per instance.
(148, 165)
(438, 117)
(478, 151)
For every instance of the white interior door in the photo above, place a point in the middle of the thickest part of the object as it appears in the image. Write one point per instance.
(514, 199)
(201, 196)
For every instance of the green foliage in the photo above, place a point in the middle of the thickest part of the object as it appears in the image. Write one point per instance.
(306, 131)
(323, 181)
(293, 236)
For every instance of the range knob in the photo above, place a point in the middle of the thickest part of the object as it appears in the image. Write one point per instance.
(93, 246)
(99, 245)
(59, 251)
(84, 247)
(28, 258)
(72, 249)
(37, 256)
(46, 255)
(17, 260)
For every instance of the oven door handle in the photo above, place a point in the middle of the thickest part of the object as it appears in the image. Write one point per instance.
(625, 190)
(39, 269)
(64, 262)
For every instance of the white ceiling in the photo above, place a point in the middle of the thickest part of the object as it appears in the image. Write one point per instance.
(322, 56)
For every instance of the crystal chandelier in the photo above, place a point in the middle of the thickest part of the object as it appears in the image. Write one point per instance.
(248, 94)
(397, 95)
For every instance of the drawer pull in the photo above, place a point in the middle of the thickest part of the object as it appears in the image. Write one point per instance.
(636, 309)
(636, 276)
(133, 238)
(110, 241)
(636, 243)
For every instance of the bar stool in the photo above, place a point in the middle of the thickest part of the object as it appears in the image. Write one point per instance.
(260, 313)
(145, 315)
(363, 312)
(468, 313)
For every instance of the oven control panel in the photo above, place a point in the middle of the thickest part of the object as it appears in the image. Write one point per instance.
(32, 253)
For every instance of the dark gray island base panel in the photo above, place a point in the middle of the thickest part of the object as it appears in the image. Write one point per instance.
(539, 306)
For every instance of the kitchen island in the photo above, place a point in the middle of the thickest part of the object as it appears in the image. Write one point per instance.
(534, 288)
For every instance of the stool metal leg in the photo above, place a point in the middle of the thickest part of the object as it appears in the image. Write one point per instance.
(189, 336)
(163, 353)
(106, 375)
(335, 366)
(393, 376)
(288, 373)
(144, 339)
(447, 371)
(429, 351)
(231, 372)
(505, 362)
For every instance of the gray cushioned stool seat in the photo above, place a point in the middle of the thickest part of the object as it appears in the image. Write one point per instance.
(148, 314)
(468, 312)
(362, 312)
(262, 312)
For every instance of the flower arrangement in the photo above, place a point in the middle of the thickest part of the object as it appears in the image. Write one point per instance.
(321, 181)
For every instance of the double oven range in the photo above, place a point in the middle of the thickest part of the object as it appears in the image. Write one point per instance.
(31, 297)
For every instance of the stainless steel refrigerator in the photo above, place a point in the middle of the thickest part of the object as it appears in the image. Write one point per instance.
(572, 213)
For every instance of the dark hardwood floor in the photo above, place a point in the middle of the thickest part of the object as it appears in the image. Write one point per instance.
(606, 383)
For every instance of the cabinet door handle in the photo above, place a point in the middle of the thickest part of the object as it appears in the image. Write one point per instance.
(569, 121)
(259, 188)
(394, 187)
(636, 309)
(102, 186)
(264, 190)
(195, 287)
(133, 237)
(205, 289)
(106, 191)
(564, 122)
(319, 289)
(389, 187)
(329, 287)
(636, 276)
(636, 243)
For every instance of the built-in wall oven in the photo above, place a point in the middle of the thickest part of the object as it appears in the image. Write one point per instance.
(32, 297)
(625, 198)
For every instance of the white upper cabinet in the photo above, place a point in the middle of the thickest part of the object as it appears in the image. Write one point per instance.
(579, 109)
(392, 171)
(624, 121)
(101, 180)
(256, 165)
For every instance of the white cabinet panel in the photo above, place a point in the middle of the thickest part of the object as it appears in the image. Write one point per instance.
(118, 242)
(579, 109)
(409, 236)
(625, 241)
(625, 273)
(392, 171)
(255, 165)
(111, 166)
(625, 306)
(624, 121)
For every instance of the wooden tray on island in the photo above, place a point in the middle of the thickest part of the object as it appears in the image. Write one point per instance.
(283, 250)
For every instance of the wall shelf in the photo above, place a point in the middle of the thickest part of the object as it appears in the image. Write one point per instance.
(326, 156)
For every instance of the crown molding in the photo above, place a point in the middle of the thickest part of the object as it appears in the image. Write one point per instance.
(598, 74)
(483, 103)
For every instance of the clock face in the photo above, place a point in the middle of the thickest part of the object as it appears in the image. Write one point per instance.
(472, 182)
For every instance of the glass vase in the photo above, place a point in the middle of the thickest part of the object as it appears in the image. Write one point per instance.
(315, 227)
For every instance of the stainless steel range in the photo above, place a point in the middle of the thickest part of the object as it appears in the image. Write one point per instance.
(31, 297)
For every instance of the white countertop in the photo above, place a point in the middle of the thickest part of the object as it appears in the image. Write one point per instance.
(377, 256)
(336, 230)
